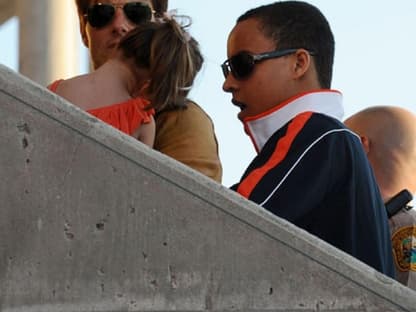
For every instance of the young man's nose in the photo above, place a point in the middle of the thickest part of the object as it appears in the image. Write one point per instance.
(229, 83)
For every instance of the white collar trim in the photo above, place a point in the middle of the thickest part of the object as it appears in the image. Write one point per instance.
(261, 127)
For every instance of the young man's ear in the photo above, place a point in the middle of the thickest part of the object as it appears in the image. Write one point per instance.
(302, 64)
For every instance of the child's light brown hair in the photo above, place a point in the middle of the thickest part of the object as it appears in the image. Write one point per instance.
(172, 57)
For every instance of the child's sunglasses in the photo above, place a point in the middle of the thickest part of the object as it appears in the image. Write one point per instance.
(100, 14)
(242, 64)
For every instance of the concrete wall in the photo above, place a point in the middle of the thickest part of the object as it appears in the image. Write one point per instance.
(92, 220)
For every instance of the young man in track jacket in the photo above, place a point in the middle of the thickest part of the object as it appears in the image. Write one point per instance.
(310, 169)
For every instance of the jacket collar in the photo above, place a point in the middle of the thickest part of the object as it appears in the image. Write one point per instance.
(261, 127)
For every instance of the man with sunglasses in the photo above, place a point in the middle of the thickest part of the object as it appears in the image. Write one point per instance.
(388, 135)
(185, 134)
(310, 169)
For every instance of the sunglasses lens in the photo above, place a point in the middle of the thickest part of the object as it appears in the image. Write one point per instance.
(100, 14)
(225, 69)
(242, 65)
(137, 12)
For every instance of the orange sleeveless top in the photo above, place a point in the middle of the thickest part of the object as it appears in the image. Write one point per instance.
(125, 116)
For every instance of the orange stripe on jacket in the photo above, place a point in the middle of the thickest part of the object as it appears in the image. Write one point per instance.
(282, 148)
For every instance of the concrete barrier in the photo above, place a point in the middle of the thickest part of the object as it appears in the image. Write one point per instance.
(92, 220)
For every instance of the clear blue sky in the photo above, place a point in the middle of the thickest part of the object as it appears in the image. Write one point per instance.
(374, 61)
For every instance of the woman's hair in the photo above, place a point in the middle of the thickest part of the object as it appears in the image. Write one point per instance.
(172, 57)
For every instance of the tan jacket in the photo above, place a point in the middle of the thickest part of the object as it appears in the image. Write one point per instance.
(188, 136)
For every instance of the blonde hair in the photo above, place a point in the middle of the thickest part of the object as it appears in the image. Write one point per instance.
(172, 57)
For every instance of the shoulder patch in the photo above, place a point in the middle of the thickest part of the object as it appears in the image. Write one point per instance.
(404, 248)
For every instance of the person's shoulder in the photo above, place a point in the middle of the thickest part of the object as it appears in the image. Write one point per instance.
(320, 124)
(53, 86)
(326, 125)
(70, 85)
(192, 114)
(327, 122)
(405, 217)
(193, 110)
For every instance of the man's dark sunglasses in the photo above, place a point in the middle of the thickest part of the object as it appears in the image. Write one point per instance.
(100, 14)
(242, 64)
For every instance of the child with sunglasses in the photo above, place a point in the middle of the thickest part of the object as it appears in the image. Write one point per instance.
(152, 70)
(184, 131)
(310, 169)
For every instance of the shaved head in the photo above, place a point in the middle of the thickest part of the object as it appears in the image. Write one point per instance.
(388, 135)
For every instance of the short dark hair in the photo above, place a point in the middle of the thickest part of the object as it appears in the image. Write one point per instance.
(172, 57)
(297, 24)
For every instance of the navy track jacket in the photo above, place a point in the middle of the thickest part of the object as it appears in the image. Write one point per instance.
(314, 173)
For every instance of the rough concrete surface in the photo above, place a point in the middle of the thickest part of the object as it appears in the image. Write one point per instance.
(92, 220)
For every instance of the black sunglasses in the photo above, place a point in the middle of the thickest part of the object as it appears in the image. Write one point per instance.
(242, 64)
(100, 14)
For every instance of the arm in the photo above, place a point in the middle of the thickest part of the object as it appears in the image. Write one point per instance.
(188, 136)
(146, 132)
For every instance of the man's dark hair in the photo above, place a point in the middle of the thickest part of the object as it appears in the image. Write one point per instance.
(297, 24)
